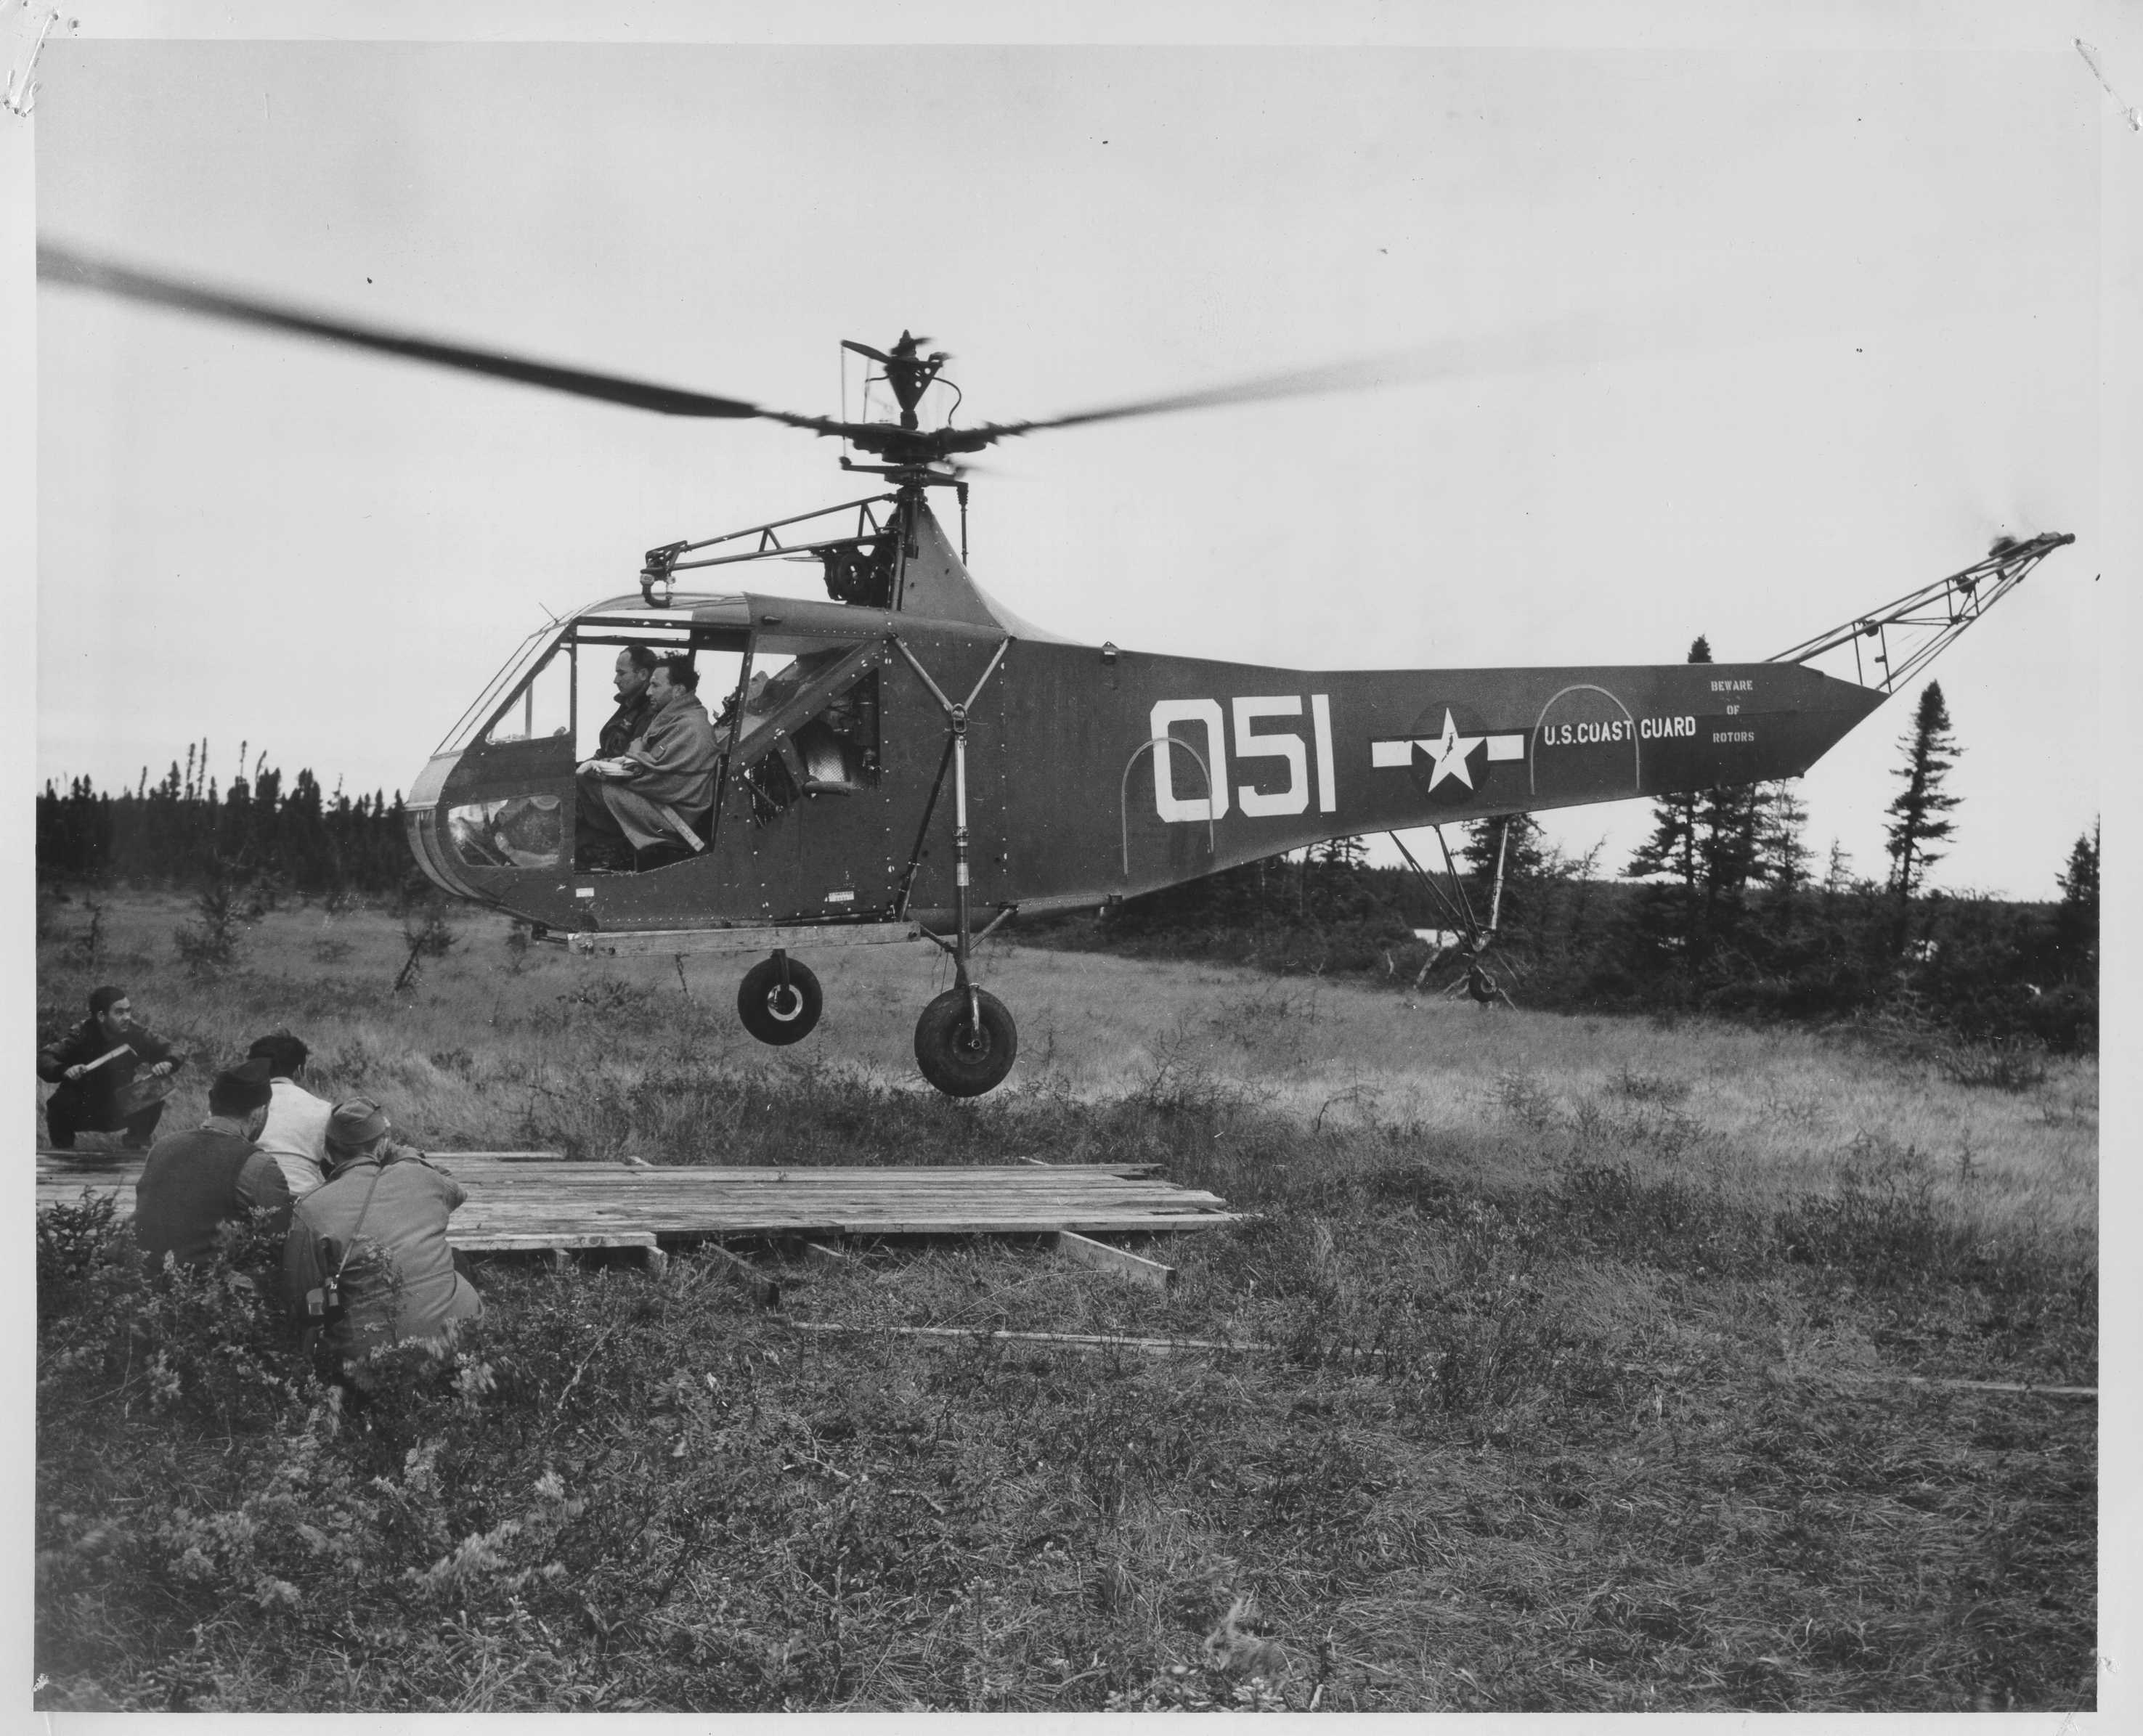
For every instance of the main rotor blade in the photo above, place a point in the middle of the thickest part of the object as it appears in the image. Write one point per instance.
(1577, 340)
(1305, 382)
(59, 265)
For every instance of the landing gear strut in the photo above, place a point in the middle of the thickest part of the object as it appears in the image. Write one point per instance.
(965, 1042)
(779, 1000)
(1482, 987)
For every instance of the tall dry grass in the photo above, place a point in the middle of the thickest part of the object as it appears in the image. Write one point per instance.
(1574, 1395)
(492, 1046)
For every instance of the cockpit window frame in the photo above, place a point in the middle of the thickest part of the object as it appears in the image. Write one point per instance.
(532, 656)
(502, 690)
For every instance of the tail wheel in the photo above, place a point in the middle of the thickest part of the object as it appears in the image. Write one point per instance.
(965, 1056)
(778, 1012)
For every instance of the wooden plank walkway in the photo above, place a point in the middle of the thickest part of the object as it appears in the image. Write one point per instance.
(514, 1203)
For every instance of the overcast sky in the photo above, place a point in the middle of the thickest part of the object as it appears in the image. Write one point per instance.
(1742, 340)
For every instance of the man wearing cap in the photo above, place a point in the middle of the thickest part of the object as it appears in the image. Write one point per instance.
(366, 1263)
(661, 786)
(92, 1096)
(195, 1183)
(296, 1135)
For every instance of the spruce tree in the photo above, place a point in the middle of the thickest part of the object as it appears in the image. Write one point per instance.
(1837, 871)
(1528, 863)
(1525, 856)
(1726, 854)
(1332, 887)
(2076, 923)
(1782, 855)
(1919, 816)
(1345, 853)
(1672, 849)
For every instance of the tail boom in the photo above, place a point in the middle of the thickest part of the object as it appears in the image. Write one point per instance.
(1214, 764)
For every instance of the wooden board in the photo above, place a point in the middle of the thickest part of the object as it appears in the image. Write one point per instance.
(510, 1242)
(1103, 1257)
(516, 1204)
(53, 1160)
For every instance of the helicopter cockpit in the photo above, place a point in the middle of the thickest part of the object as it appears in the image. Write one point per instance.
(795, 705)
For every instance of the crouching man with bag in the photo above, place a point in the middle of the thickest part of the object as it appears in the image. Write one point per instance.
(367, 1262)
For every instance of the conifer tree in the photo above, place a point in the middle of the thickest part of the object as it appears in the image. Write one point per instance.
(1343, 853)
(2076, 923)
(1333, 887)
(1672, 849)
(1726, 853)
(1782, 855)
(1528, 862)
(1919, 815)
(1525, 855)
(1837, 871)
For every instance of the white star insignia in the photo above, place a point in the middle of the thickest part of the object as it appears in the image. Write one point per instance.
(1447, 755)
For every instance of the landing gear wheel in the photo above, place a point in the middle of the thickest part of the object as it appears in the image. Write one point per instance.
(960, 1057)
(775, 1014)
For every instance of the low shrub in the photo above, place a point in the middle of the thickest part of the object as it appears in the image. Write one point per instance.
(1884, 1223)
(2004, 1067)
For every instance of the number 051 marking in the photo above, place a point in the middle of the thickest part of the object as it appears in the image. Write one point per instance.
(1250, 743)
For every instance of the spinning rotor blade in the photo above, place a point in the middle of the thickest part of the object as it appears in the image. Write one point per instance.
(1308, 382)
(1572, 341)
(58, 266)
(1579, 340)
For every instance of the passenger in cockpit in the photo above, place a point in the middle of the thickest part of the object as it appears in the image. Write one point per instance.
(656, 799)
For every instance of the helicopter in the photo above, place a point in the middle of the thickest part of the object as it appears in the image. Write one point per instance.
(908, 760)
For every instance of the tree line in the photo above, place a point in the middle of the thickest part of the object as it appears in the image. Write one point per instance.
(182, 831)
(1722, 908)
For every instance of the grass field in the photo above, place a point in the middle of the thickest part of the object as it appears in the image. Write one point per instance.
(1580, 1393)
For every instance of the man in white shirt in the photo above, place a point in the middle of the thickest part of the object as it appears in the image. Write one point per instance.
(296, 1135)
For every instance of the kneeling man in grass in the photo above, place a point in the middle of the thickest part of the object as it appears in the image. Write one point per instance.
(93, 1066)
(367, 1262)
(296, 1132)
(195, 1183)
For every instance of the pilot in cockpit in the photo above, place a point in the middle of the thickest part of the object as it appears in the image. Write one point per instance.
(652, 804)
